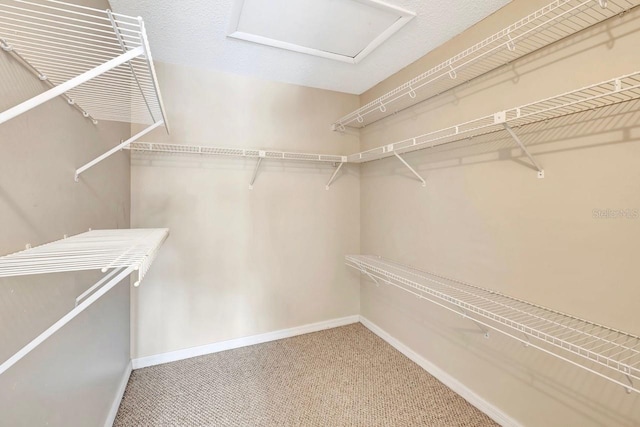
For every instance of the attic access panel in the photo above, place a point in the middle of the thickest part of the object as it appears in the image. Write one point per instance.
(342, 30)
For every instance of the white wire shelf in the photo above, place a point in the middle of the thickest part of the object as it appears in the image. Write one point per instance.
(606, 352)
(153, 147)
(557, 20)
(118, 253)
(94, 250)
(99, 61)
(621, 89)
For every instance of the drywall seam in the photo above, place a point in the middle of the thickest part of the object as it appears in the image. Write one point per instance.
(187, 353)
(470, 396)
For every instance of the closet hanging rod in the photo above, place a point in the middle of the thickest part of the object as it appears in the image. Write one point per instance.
(555, 21)
(609, 353)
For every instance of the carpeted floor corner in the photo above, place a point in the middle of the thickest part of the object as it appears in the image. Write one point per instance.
(345, 376)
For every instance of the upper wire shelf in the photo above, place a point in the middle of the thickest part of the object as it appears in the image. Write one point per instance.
(606, 352)
(99, 61)
(154, 147)
(557, 20)
(617, 90)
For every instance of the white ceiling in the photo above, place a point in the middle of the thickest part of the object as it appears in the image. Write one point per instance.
(194, 33)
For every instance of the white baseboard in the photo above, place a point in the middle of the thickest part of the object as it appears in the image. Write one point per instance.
(116, 402)
(493, 412)
(173, 356)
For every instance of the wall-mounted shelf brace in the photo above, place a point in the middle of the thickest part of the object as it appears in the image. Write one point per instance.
(335, 174)
(203, 150)
(98, 61)
(255, 171)
(117, 148)
(118, 253)
(606, 352)
(524, 150)
(553, 22)
(413, 171)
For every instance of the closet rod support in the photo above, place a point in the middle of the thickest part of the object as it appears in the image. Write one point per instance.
(524, 149)
(333, 177)
(413, 171)
(255, 172)
(69, 84)
(117, 148)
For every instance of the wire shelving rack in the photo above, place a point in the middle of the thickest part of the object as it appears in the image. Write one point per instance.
(154, 147)
(118, 253)
(606, 352)
(557, 20)
(99, 61)
(618, 90)
(200, 150)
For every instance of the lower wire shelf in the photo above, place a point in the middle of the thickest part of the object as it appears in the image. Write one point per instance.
(118, 253)
(606, 352)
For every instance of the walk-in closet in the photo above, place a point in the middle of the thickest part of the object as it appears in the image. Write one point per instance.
(320, 213)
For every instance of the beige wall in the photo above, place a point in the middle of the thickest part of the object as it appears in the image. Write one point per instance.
(72, 378)
(243, 262)
(486, 219)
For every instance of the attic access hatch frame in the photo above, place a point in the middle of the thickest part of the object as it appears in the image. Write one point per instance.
(99, 61)
(404, 17)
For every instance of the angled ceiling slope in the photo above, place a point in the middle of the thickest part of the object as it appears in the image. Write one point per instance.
(342, 30)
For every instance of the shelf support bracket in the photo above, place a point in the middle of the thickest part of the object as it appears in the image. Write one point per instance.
(626, 374)
(117, 148)
(69, 84)
(482, 328)
(413, 171)
(255, 173)
(524, 149)
(333, 177)
(370, 276)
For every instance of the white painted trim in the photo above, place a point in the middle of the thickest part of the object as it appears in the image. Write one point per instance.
(113, 412)
(405, 17)
(470, 396)
(187, 353)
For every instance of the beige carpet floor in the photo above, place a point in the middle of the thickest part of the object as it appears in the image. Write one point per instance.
(345, 376)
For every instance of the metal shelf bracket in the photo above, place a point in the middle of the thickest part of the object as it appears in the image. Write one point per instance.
(333, 177)
(116, 149)
(413, 171)
(524, 149)
(255, 171)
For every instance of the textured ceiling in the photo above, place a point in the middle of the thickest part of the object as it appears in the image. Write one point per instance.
(193, 33)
